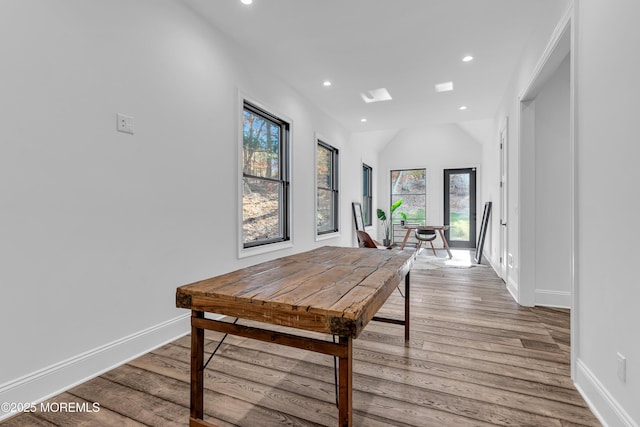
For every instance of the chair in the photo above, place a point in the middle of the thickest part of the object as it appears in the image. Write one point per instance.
(366, 241)
(426, 236)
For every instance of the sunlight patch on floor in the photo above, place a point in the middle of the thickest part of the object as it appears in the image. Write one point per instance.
(462, 258)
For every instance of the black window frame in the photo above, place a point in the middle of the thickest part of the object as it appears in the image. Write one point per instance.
(334, 188)
(283, 180)
(426, 189)
(367, 194)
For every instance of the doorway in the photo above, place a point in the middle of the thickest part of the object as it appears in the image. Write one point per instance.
(546, 198)
(460, 207)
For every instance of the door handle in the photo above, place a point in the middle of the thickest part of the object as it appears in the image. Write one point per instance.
(503, 223)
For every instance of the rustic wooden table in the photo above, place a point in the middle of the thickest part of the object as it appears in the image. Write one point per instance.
(332, 290)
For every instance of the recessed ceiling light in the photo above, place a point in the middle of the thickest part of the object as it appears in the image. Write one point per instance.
(326, 83)
(444, 87)
(246, 1)
(467, 58)
(363, 120)
(464, 107)
(376, 95)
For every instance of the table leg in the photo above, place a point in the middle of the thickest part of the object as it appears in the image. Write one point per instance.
(197, 368)
(406, 237)
(444, 243)
(407, 306)
(345, 385)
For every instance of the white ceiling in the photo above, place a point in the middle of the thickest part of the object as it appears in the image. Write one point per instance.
(406, 46)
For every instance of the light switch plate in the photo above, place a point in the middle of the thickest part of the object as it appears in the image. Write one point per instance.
(622, 367)
(124, 123)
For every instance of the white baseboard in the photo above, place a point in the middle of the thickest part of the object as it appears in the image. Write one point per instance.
(546, 298)
(493, 264)
(512, 287)
(549, 298)
(602, 404)
(50, 381)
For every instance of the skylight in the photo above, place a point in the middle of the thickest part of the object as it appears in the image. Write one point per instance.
(376, 95)
(444, 87)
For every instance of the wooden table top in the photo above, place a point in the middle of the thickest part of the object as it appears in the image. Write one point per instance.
(334, 290)
(425, 227)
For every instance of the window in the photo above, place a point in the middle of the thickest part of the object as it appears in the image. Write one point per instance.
(367, 194)
(265, 178)
(410, 185)
(327, 195)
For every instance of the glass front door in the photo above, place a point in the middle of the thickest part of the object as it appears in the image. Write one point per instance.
(460, 207)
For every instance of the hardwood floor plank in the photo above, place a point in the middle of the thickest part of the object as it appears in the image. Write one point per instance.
(495, 330)
(421, 332)
(372, 383)
(460, 360)
(474, 358)
(499, 357)
(274, 357)
(566, 405)
(324, 413)
(142, 407)
(104, 416)
(288, 379)
(437, 382)
(374, 380)
(28, 419)
(223, 410)
(550, 352)
(244, 389)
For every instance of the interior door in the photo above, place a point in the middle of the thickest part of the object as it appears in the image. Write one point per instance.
(503, 201)
(460, 207)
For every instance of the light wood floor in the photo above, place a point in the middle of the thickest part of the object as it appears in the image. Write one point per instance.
(475, 358)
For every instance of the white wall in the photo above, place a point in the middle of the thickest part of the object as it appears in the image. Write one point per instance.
(510, 108)
(553, 191)
(364, 146)
(98, 228)
(435, 148)
(608, 174)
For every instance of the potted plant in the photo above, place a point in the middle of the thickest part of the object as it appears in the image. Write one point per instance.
(386, 222)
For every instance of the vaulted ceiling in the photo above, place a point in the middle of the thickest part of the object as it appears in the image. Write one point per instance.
(405, 46)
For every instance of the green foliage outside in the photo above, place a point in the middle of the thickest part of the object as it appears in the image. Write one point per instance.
(416, 217)
(458, 226)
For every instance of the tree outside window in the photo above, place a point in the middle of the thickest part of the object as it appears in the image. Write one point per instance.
(265, 181)
(410, 185)
(367, 195)
(327, 190)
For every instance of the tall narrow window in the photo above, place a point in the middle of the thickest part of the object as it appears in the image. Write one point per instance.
(367, 194)
(265, 178)
(327, 194)
(410, 185)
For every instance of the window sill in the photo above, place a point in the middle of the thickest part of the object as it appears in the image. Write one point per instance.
(264, 249)
(328, 236)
